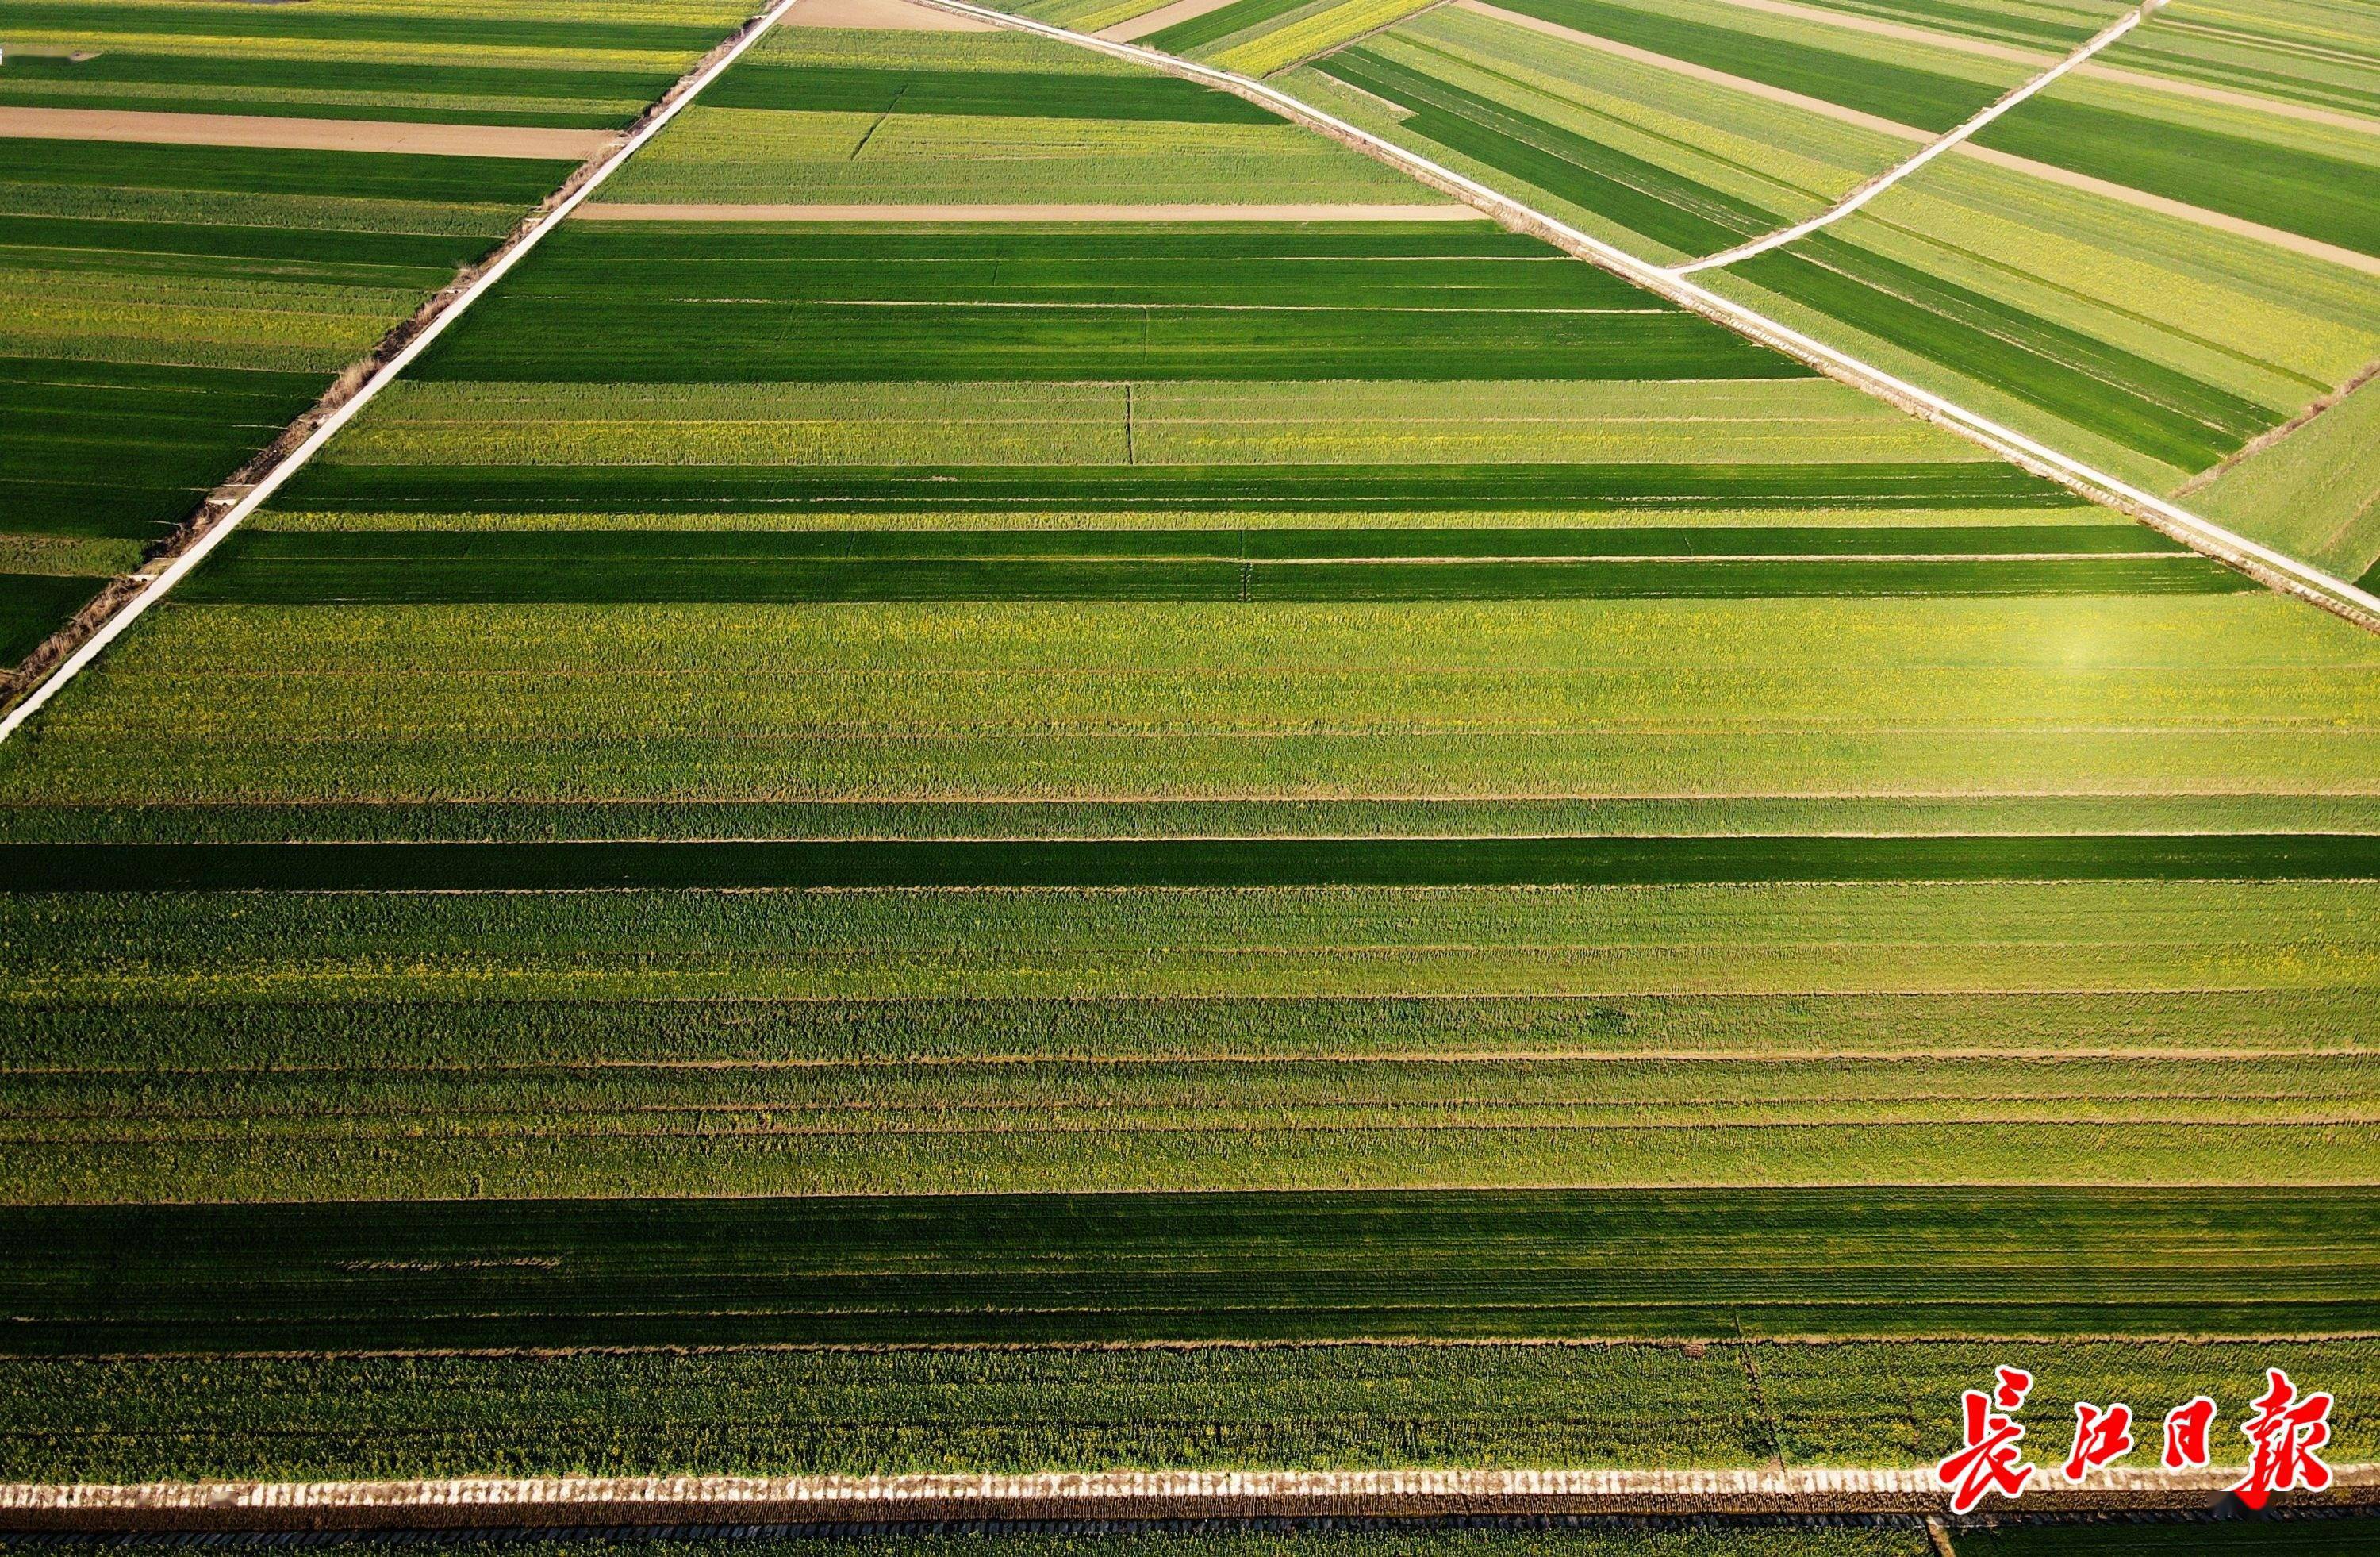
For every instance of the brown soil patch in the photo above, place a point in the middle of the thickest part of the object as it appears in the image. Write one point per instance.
(317, 135)
(881, 16)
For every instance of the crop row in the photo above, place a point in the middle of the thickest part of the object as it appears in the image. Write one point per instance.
(2053, 28)
(1917, 937)
(331, 566)
(1193, 35)
(1982, 293)
(473, 742)
(2273, 326)
(1801, 421)
(851, 89)
(1305, 34)
(243, 83)
(712, 1128)
(492, 1036)
(2108, 696)
(2104, 388)
(33, 605)
(499, 549)
(1814, 61)
(656, 339)
(530, 27)
(1697, 135)
(973, 1410)
(108, 1103)
(2329, 195)
(178, 305)
(249, 172)
(1669, 209)
(294, 577)
(1298, 488)
(63, 426)
(355, 1276)
(835, 115)
(1243, 817)
(1463, 267)
(2155, 409)
(1182, 862)
(723, 1152)
(765, 156)
(2293, 52)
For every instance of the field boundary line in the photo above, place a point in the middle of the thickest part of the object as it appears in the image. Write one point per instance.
(427, 326)
(2275, 569)
(491, 1501)
(1945, 142)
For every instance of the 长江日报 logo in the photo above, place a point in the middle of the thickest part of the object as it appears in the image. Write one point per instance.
(2283, 1430)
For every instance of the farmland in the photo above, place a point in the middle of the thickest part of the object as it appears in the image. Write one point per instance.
(2144, 266)
(993, 1268)
(174, 306)
(1011, 767)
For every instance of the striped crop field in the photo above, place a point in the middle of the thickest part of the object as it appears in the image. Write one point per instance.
(1013, 767)
(206, 213)
(2163, 264)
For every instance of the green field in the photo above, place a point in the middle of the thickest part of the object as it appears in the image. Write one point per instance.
(984, 1270)
(806, 118)
(2134, 322)
(890, 1411)
(173, 307)
(2299, 51)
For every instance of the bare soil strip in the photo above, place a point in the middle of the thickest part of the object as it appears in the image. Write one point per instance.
(486, 1503)
(881, 16)
(1161, 18)
(302, 135)
(1948, 142)
(598, 212)
(1703, 73)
